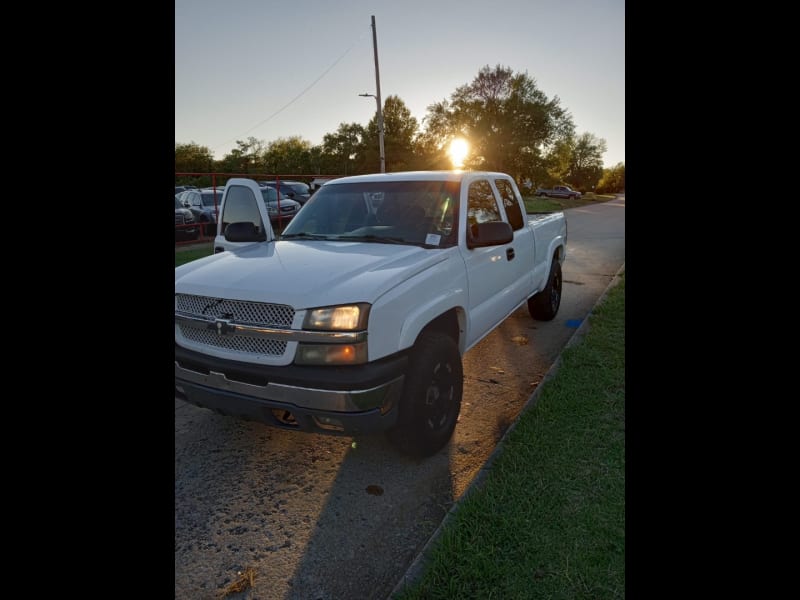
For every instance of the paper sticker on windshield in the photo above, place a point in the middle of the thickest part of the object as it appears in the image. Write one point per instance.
(433, 239)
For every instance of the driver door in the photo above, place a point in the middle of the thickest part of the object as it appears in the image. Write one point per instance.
(242, 201)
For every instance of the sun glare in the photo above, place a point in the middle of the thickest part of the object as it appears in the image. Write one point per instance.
(458, 152)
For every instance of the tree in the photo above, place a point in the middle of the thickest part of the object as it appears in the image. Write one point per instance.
(246, 158)
(508, 122)
(613, 180)
(577, 161)
(339, 149)
(399, 131)
(586, 165)
(290, 155)
(193, 158)
(430, 152)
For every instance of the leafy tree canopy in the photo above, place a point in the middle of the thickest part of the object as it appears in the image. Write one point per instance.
(507, 120)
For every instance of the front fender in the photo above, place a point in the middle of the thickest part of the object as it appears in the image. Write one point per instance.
(398, 315)
(423, 315)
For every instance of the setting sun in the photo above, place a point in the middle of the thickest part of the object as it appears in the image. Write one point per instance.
(458, 152)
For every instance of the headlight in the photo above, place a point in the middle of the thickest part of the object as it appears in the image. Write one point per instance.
(337, 318)
(349, 317)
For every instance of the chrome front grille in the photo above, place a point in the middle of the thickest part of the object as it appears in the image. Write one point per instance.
(236, 311)
(234, 343)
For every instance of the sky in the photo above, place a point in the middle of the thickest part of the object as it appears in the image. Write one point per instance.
(273, 69)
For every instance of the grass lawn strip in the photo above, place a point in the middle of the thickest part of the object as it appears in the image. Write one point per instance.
(548, 520)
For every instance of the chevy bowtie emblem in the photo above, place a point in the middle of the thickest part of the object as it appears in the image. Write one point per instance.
(223, 326)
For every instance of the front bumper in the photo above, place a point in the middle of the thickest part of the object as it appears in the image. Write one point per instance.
(338, 400)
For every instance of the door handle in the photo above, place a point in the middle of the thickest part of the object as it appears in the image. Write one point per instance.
(510, 253)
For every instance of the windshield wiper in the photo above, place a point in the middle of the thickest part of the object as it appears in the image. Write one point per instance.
(305, 236)
(373, 238)
(370, 237)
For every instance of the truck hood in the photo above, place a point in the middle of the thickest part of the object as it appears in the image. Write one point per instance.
(305, 274)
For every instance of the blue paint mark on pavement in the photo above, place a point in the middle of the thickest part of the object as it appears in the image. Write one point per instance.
(574, 323)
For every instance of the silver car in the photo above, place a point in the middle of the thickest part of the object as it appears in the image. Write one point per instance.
(282, 211)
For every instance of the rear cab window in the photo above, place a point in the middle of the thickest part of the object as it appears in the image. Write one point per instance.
(511, 203)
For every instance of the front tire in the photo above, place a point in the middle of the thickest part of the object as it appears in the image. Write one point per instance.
(431, 398)
(544, 305)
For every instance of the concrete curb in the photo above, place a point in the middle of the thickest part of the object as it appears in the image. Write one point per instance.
(417, 567)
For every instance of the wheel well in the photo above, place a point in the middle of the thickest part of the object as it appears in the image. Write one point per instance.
(448, 323)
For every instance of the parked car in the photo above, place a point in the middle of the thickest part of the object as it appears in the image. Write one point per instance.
(296, 190)
(318, 182)
(184, 217)
(558, 191)
(203, 207)
(288, 207)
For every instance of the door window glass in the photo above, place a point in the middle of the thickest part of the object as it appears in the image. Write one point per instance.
(240, 206)
(481, 203)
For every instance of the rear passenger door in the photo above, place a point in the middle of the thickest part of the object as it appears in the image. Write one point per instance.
(242, 201)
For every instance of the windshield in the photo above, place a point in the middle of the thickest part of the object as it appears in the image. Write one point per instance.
(410, 212)
(178, 203)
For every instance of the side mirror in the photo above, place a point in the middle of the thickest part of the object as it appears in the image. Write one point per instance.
(493, 233)
(244, 231)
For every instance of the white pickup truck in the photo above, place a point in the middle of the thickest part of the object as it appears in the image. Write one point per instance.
(355, 318)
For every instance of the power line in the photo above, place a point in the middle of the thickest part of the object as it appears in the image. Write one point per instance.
(296, 98)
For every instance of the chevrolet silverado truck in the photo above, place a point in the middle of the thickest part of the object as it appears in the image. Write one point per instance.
(355, 319)
(558, 191)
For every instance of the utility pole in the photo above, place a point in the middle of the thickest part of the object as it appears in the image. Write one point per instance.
(378, 97)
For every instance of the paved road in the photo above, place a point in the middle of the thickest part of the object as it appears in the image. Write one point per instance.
(317, 517)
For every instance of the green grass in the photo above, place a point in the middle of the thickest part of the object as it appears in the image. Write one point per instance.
(184, 256)
(536, 204)
(549, 520)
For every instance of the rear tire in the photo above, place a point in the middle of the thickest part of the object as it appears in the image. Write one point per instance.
(431, 398)
(544, 305)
